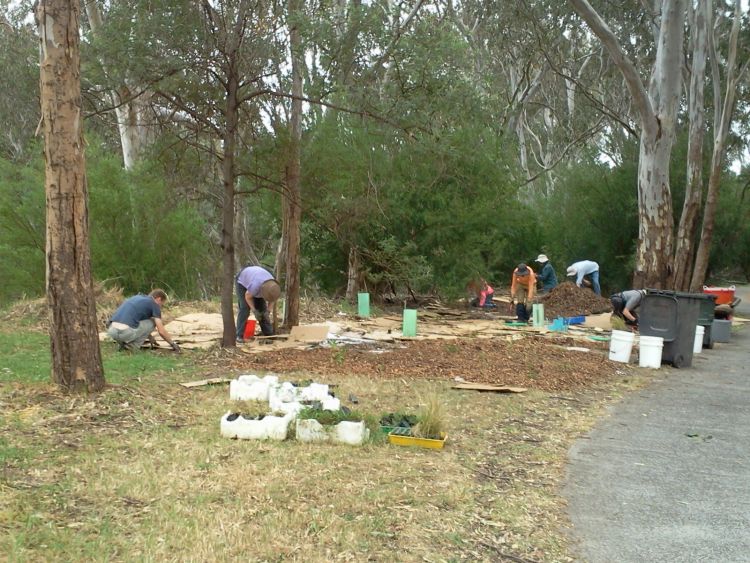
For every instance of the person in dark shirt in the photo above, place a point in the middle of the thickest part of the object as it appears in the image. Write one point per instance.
(625, 304)
(134, 321)
(547, 275)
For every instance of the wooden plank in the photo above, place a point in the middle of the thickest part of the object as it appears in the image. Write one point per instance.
(488, 387)
(202, 382)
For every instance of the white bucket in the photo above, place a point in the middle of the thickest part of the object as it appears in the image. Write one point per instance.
(698, 343)
(620, 346)
(650, 351)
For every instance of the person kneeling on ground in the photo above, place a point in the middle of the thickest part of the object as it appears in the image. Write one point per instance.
(256, 291)
(522, 287)
(625, 303)
(134, 321)
(483, 294)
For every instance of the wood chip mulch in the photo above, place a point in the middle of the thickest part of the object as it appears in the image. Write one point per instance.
(569, 300)
(530, 362)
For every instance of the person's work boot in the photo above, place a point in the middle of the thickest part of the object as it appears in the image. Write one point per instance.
(125, 347)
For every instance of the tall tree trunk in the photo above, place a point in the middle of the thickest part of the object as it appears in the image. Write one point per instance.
(655, 221)
(228, 173)
(293, 193)
(686, 231)
(76, 357)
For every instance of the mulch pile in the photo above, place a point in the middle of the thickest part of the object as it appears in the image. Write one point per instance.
(528, 363)
(569, 300)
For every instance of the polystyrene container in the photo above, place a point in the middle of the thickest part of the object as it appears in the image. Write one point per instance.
(346, 432)
(268, 428)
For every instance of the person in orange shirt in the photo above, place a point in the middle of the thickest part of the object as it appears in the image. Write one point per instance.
(522, 288)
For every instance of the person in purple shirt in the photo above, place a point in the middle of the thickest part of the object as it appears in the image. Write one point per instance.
(256, 290)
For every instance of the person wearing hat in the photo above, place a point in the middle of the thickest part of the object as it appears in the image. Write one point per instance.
(586, 268)
(256, 290)
(625, 303)
(522, 287)
(547, 275)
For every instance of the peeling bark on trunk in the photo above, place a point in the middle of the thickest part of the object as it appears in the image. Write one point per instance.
(686, 231)
(76, 357)
(655, 221)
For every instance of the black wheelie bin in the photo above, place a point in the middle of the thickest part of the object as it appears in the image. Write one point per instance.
(673, 315)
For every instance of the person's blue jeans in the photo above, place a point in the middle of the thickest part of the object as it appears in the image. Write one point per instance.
(595, 282)
(243, 313)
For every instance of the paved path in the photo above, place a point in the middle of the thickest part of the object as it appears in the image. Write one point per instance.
(666, 477)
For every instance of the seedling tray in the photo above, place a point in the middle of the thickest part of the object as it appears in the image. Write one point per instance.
(403, 437)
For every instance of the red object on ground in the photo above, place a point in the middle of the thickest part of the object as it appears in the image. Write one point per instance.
(249, 329)
(724, 295)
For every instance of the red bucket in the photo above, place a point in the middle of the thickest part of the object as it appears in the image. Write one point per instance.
(724, 295)
(249, 329)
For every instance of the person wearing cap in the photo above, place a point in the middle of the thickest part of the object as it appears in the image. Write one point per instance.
(586, 268)
(547, 275)
(625, 303)
(256, 290)
(522, 287)
(136, 318)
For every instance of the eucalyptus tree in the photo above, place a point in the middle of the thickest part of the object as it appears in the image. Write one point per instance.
(76, 357)
(656, 106)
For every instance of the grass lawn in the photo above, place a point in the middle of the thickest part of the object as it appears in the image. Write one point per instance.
(140, 472)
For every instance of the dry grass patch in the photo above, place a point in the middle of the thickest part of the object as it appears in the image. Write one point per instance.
(142, 473)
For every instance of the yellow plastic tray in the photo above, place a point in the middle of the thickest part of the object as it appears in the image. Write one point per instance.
(417, 442)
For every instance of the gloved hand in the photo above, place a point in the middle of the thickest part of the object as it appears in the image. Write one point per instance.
(175, 347)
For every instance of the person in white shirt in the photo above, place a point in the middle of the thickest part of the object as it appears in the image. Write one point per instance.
(586, 268)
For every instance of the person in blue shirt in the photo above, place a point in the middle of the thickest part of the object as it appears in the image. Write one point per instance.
(134, 321)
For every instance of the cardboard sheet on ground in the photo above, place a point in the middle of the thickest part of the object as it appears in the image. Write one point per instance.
(602, 320)
(192, 332)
